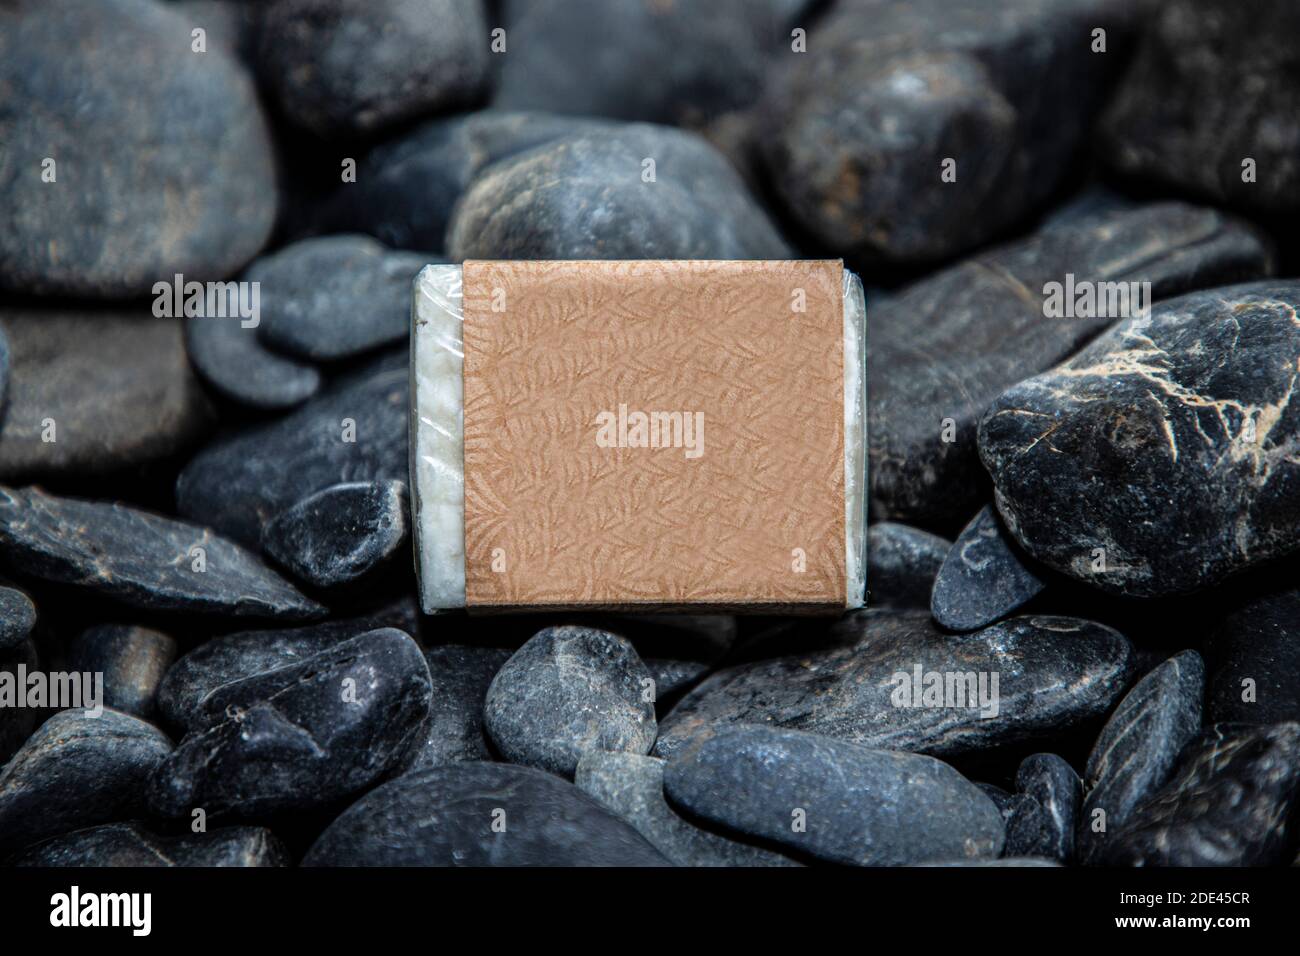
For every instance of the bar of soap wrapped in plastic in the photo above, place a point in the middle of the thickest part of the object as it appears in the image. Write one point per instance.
(639, 435)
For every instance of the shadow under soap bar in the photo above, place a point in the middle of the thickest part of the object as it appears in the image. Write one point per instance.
(646, 435)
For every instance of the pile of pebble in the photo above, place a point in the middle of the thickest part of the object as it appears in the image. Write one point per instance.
(1093, 518)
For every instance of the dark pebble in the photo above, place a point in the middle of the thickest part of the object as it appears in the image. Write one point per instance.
(567, 691)
(133, 661)
(1254, 656)
(301, 736)
(983, 577)
(461, 676)
(834, 800)
(1043, 821)
(17, 617)
(131, 844)
(480, 814)
(902, 563)
(230, 358)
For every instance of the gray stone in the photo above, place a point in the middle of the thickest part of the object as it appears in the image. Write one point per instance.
(1254, 656)
(301, 736)
(1043, 821)
(1225, 806)
(341, 534)
(944, 348)
(131, 844)
(240, 483)
(856, 805)
(77, 771)
(407, 187)
(480, 814)
(230, 358)
(140, 559)
(673, 677)
(1177, 117)
(1139, 747)
(334, 297)
(567, 691)
(163, 161)
(16, 723)
(1054, 674)
(231, 658)
(1164, 456)
(95, 392)
(632, 786)
(902, 563)
(983, 578)
(680, 63)
(461, 676)
(585, 196)
(133, 661)
(341, 68)
(17, 617)
(859, 126)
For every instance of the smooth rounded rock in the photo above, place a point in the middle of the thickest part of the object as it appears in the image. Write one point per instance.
(133, 661)
(461, 676)
(834, 800)
(1043, 820)
(596, 196)
(334, 297)
(983, 578)
(96, 392)
(480, 814)
(162, 163)
(895, 681)
(301, 736)
(1161, 458)
(567, 691)
(230, 357)
(342, 68)
(77, 771)
(17, 617)
(341, 534)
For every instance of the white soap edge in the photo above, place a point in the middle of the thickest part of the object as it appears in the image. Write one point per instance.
(855, 441)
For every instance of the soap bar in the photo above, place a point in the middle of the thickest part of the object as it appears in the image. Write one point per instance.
(639, 435)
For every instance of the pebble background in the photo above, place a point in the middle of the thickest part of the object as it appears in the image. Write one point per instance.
(1097, 516)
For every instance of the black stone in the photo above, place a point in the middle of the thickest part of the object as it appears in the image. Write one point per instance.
(461, 676)
(833, 800)
(77, 771)
(1054, 673)
(240, 483)
(583, 197)
(859, 126)
(163, 158)
(1254, 656)
(131, 844)
(17, 617)
(230, 358)
(445, 816)
(140, 559)
(231, 658)
(983, 578)
(301, 736)
(1225, 806)
(632, 786)
(567, 691)
(944, 348)
(16, 723)
(338, 68)
(341, 534)
(676, 63)
(1046, 813)
(1162, 457)
(902, 563)
(1139, 747)
(334, 297)
(1177, 117)
(407, 187)
(133, 661)
(94, 392)
(673, 677)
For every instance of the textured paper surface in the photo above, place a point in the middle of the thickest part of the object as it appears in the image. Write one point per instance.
(554, 519)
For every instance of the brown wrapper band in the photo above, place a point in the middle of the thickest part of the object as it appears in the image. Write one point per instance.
(641, 434)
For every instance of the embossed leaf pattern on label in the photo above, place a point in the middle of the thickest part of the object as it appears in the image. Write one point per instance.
(554, 518)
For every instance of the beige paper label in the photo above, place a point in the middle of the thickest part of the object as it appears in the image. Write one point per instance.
(654, 433)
